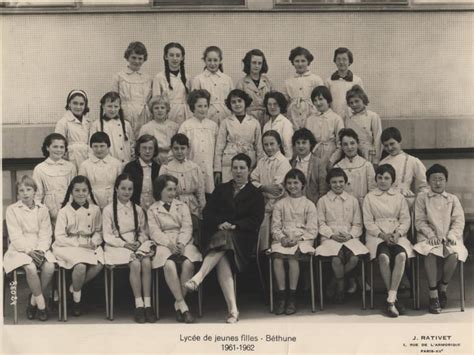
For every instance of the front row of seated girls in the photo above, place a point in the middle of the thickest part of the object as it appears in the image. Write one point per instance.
(232, 217)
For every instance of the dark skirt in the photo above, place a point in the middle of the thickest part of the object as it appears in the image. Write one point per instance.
(229, 241)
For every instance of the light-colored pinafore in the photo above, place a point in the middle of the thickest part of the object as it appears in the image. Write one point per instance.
(257, 94)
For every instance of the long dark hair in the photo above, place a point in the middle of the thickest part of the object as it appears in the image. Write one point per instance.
(112, 96)
(213, 49)
(181, 66)
(79, 179)
(120, 178)
(276, 135)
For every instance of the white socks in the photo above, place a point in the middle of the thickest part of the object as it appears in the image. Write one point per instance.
(392, 296)
(33, 300)
(38, 301)
(182, 306)
(147, 301)
(76, 295)
(139, 302)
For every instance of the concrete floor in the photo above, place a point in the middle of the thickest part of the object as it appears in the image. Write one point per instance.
(252, 306)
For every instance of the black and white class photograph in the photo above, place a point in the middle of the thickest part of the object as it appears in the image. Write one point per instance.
(237, 176)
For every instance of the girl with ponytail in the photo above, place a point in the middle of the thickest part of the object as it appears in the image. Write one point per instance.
(126, 242)
(172, 82)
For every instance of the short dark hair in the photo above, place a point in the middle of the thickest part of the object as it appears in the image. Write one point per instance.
(357, 91)
(196, 95)
(304, 134)
(248, 58)
(321, 91)
(242, 157)
(49, 139)
(348, 132)
(238, 93)
(100, 137)
(279, 98)
(295, 174)
(180, 139)
(301, 51)
(435, 169)
(160, 183)
(391, 132)
(143, 139)
(336, 172)
(342, 50)
(137, 47)
(386, 168)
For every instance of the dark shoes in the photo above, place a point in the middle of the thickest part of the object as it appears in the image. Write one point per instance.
(391, 310)
(435, 307)
(179, 316)
(443, 299)
(339, 298)
(400, 308)
(140, 315)
(76, 309)
(291, 305)
(150, 316)
(188, 317)
(31, 311)
(42, 314)
(280, 302)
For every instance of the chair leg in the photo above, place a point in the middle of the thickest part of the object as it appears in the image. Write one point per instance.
(235, 284)
(372, 286)
(270, 277)
(363, 283)
(111, 312)
(311, 275)
(413, 283)
(321, 293)
(106, 281)
(200, 301)
(461, 286)
(15, 304)
(417, 281)
(60, 296)
(260, 276)
(64, 290)
(157, 294)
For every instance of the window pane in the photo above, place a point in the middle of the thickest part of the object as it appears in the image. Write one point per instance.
(114, 2)
(40, 3)
(342, 2)
(199, 2)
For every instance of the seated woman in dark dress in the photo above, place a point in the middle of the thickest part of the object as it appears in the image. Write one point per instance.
(232, 218)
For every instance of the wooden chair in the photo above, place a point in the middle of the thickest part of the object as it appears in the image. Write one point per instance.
(109, 288)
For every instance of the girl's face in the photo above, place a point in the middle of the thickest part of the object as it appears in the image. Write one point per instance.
(321, 103)
(169, 192)
(337, 184)
(212, 61)
(356, 104)
(147, 150)
(26, 194)
(80, 192)
(180, 152)
(270, 145)
(135, 61)
(302, 147)
(256, 63)
(349, 146)
(201, 108)
(384, 181)
(301, 64)
(240, 172)
(342, 62)
(238, 105)
(437, 182)
(56, 149)
(160, 112)
(125, 191)
(100, 150)
(273, 107)
(111, 108)
(174, 57)
(294, 187)
(392, 147)
(77, 105)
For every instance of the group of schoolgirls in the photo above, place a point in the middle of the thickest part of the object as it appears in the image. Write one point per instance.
(313, 150)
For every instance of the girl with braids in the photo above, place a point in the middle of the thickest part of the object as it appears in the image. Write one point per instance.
(126, 242)
(215, 82)
(134, 86)
(53, 175)
(172, 83)
(78, 236)
(171, 228)
(112, 122)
